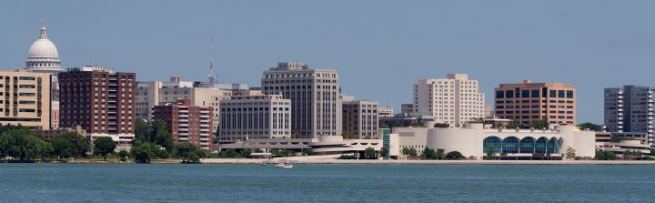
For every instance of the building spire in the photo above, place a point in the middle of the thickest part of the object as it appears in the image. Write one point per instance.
(44, 30)
(211, 76)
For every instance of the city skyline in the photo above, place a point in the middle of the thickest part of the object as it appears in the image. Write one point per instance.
(489, 42)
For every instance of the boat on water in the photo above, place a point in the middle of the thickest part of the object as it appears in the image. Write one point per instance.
(284, 165)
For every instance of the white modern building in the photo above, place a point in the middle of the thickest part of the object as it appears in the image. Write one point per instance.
(454, 100)
(619, 143)
(476, 141)
(386, 111)
(315, 96)
(253, 115)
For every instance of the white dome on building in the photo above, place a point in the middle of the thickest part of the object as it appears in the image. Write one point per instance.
(43, 55)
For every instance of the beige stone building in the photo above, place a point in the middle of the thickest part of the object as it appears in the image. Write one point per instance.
(528, 101)
(25, 99)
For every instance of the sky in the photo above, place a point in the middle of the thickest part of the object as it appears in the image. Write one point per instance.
(380, 48)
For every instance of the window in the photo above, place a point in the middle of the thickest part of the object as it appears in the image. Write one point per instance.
(525, 93)
(500, 94)
(509, 94)
(560, 93)
(552, 93)
(535, 93)
(569, 93)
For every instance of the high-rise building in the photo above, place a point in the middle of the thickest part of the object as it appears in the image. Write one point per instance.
(251, 114)
(25, 99)
(100, 100)
(152, 93)
(188, 122)
(315, 96)
(361, 119)
(527, 102)
(406, 109)
(630, 109)
(454, 100)
(43, 57)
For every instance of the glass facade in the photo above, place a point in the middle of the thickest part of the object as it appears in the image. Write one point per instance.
(491, 143)
(510, 145)
(526, 145)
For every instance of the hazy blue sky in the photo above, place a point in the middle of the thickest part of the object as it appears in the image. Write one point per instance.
(379, 47)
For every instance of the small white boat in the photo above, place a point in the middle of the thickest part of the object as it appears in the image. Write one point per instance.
(284, 165)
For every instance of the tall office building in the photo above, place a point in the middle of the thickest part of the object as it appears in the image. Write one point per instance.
(454, 100)
(527, 102)
(25, 99)
(251, 114)
(152, 93)
(315, 97)
(630, 109)
(361, 119)
(100, 100)
(188, 122)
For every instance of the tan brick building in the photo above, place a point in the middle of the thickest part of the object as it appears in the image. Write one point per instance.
(25, 99)
(527, 102)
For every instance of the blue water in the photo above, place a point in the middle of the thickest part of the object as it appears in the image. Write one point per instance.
(325, 183)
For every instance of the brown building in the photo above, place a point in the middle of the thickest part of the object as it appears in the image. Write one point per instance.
(188, 122)
(99, 100)
(25, 99)
(527, 102)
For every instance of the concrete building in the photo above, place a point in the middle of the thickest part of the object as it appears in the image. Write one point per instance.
(152, 93)
(406, 109)
(188, 122)
(43, 57)
(619, 143)
(527, 102)
(315, 96)
(454, 100)
(475, 141)
(25, 99)
(253, 115)
(630, 109)
(360, 119)
(100, 100)
(386, 112)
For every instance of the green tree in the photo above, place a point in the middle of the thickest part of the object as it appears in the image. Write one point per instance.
(24, 145)
(161, 134)
(143, 152)
(454, 155)
(410, 152)
(370, 153)
(605, 155)
(104, 146)
(188, 152)
(491, 154)
(590, 126)
(385, 152)
(123, 155)
(514, 124)
(431, 154)
(281, 152)
(441, 125)
(570, 153)
(539, 124)
(142, 130)
(69, 144)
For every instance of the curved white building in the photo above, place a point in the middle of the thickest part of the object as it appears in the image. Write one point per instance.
(43, 55)
(477, 141)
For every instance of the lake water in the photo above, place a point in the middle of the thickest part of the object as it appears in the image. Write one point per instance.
(325, 183)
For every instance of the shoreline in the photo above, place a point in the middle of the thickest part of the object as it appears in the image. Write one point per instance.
(435, 162)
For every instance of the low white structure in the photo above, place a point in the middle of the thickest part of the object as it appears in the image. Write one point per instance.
(473, 140)
(320, 145)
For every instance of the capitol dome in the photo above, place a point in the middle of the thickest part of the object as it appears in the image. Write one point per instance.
(43, 55)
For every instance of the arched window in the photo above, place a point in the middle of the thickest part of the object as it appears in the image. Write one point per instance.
(552, 146)
(527, 145)
(540, 146)
(510, 145)
(491, 143)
